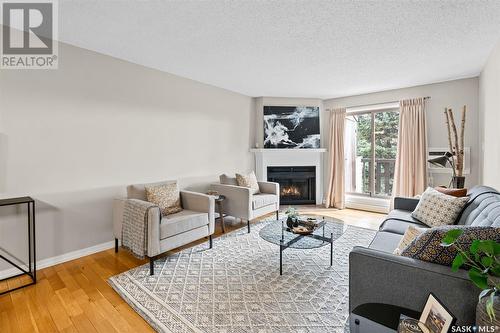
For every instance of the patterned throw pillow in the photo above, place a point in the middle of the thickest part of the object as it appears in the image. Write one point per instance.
(410, 234)
(427, 246)
(165, 196)
(249, 181)
(436, 209)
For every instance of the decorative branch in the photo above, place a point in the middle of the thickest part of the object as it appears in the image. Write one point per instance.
(458, 166)
(460, 155)
(449, 129)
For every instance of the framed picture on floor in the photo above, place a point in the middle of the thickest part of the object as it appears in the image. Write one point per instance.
(435, 316)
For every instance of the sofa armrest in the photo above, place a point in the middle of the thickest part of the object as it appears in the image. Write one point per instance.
(380, 277)
(269, 188)
(238, 201)
(154, 220)
(408, 204)
(200, 202)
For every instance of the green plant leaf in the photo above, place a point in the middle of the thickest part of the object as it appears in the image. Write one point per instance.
(451, 236)
(478, 278)
(487, 246)
(457, 262)
(474, 246)
(487, 261)
(496, 248)
(495, 270)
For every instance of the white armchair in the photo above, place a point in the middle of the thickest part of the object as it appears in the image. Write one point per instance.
(241, 203)
(195, 221)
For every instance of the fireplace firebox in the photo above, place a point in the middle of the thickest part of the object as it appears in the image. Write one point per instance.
(297, 183)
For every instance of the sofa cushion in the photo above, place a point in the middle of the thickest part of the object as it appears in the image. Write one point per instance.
(436, 209)
(454, 192)
(385, 241)
(399, 227)
(427, 246)
(183, 221)
(138, 191)
(482, 208)
(410, 234)
(262, 200)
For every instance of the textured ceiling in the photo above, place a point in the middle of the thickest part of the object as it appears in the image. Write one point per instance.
(292, 48)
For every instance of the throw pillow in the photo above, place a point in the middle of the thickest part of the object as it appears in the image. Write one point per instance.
(436, 209)
(427, 246)
(249, 181)
(165, 196)
(410, 234)
(455, 192)
(226, 180)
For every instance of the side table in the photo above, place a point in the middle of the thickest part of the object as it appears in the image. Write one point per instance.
(219, 201)
(31, 265)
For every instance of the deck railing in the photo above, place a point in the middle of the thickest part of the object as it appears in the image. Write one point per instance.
(384, 175)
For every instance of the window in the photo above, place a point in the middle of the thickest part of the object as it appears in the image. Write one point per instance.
(370, 151)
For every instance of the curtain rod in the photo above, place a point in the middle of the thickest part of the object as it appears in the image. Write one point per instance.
(363, 105)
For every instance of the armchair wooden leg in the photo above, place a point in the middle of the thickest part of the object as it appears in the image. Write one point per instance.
(151, 266)
(277, 215)
(116, 245)
(210, 241)
(248, 224)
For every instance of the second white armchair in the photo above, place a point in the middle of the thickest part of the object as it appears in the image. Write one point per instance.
(242, 203)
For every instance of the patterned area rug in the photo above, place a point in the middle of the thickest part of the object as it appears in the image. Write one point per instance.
(236, 287)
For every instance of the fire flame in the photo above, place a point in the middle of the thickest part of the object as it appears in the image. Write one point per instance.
(290, 190)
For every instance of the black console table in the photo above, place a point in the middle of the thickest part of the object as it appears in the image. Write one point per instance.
(31, 272)
(378, 318)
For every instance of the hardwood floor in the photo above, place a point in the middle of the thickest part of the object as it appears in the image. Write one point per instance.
(75, 297)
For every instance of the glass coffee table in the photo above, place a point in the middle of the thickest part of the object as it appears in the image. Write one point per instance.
(277, 232)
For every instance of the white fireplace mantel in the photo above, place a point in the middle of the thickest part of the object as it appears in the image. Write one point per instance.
(290, 157)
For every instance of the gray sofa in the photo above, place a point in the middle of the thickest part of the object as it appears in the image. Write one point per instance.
(378, 276)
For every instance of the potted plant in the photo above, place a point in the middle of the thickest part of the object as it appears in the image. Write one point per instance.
(292, 215)
(482, 260)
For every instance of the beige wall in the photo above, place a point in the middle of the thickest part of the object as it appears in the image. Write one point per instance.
(452, 94)
(489, 106)
(74, 137)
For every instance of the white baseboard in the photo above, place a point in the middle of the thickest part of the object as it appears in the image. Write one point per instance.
(60, 258)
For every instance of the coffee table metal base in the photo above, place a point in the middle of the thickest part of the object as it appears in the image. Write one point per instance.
(284, 246)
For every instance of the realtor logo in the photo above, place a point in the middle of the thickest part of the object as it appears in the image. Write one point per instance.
(29, 34)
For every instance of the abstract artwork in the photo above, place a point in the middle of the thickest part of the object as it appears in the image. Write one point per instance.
(291, 127)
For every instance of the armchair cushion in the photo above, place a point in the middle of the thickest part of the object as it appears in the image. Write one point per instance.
(180, 222)
(138, 191)
(261, 200)
(165, 196)
(249, 181)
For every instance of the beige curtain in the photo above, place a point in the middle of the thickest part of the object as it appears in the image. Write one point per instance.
(335, 196)
(410, 176)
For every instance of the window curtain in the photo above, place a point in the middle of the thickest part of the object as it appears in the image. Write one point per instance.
(410, 176)
(335, 196)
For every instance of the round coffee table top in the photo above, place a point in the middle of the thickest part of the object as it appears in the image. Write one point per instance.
(277, 231)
